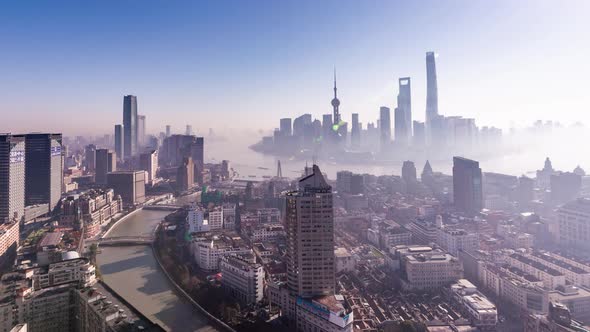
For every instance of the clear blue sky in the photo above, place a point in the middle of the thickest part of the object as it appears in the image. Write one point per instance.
(244, 64)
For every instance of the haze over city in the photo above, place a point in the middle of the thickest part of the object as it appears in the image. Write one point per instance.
(239, 66)
(313, 166)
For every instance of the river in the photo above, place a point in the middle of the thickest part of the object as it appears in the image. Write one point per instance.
(133, 272)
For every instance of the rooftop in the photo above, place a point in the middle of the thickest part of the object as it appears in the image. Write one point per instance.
(546, 257)
(536, 265)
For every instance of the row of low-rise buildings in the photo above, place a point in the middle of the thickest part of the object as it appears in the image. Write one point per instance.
(90, 210)
(530, 281)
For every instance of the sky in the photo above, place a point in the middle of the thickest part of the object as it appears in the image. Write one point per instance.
(230, 65)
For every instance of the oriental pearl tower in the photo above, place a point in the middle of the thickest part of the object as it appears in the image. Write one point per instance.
(335, 103)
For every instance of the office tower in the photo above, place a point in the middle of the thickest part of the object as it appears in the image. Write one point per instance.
(525, 191)
(384, 127)
(310, 237)
(177, 147)
(419, 138)
(106, 162)
(327, 126)
(399, 122)
(467, 185)
(12, 177)
(130, 185)
(43, 169)
(140, 131)
(404, 102)
(565, 186)
(409, 172)
(355, 131)
(168, 131)
(286, 127)
(90, 157)
(431, 89)
(185, 177)
(148, 161)
(300, 123)
(189, 130)
(130, 125)
(119, 140)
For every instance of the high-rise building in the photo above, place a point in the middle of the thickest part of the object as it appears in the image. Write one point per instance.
(177, 147)
(130, 185)
(404, 103)
(467, 185)
(419, 138)
(90, 157)
(43, 169)
(355, 131)
(399, 122)
(12, 177)
(140, 131)
(168, 131)
(189, 130)
(148, 161)
(327, 124)
(385, 126)
(310, 237)
(106, 162)
(119, 140)
(409, 172)
(130, 125)
(285, 128)
(431, 91)
(185, 177)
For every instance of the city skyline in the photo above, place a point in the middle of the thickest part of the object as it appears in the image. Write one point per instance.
(183, 69)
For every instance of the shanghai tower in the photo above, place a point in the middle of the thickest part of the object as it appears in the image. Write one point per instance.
(130, 125)
(431, 91)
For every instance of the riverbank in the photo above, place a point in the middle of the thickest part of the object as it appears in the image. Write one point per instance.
(134, 273)
(184, 294)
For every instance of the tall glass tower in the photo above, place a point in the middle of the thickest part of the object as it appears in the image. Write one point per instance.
(431, 91)
(130, 125)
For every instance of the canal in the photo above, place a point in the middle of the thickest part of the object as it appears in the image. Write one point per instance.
(133, 272)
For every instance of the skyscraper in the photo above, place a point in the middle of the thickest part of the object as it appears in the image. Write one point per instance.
(399, 123)
(90, 157)
(431, 87)
(148, 161)
(119, 146)
(130, 125)
(43, 169)
(419, 138)
(285, 128)
(355, 131)
(185, 177)
(431, 96)
(168, 131)
(404, 103)
(467, 185)
(12, 177)
(309, 221)
(327, 127)
(106, 162)
(384, 126)
(189, 130)
(140, 131)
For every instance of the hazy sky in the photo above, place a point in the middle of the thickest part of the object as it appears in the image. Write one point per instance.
(231, 64)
